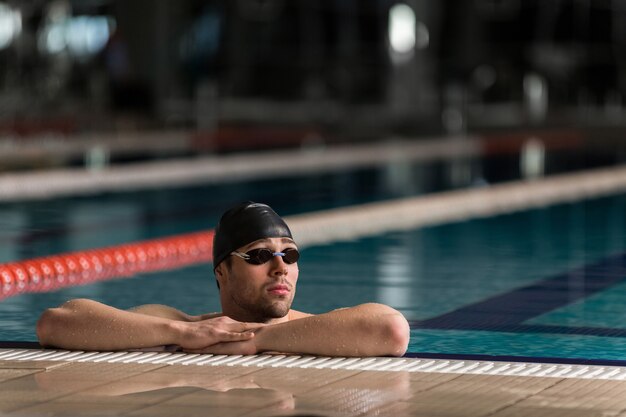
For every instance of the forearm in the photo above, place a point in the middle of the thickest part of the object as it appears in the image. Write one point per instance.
(365, 330)
(89, 325)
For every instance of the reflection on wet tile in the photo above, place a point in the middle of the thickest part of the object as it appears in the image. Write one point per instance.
(527, 383)
(223, 370)
(82, 376)
(501, 385)
(455, 410)
(6, 374)
(107, 370)
(295, 381)
(196, 377)
(103, 395)
(402, 408)
(274, 390)
(78, 409)
(46, 365)
(432, 378)
(60, 382)
(247, 397)
(467, 395)
(441, 405)
(471, 395)
(582, 394)
(298, 411)
(365, 392)
(178, 410)
(7, 405)
(345, 401)
(517, 411)
(27, 389)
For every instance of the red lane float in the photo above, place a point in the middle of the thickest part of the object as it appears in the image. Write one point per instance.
(53, 272)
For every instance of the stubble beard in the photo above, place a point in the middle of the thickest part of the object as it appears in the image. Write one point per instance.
(263, 310)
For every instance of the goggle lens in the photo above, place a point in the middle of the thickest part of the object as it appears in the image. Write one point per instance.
(263, 255)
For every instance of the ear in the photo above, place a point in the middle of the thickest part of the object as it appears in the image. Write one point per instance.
(220, 274)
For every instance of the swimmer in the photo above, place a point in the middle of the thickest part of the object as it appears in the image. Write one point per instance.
(255, 261)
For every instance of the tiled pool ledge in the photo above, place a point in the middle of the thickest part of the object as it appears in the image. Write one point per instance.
(450, 366)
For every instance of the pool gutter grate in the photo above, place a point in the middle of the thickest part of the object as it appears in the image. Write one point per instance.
(311, 362)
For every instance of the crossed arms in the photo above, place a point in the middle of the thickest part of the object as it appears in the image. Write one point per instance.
(364, 330)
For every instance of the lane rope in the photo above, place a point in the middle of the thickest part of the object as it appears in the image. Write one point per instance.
(76, 268)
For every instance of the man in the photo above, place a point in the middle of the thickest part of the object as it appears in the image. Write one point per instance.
(255, 264)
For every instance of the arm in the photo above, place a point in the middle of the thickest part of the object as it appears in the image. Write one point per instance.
(89, 325)
(365, 330)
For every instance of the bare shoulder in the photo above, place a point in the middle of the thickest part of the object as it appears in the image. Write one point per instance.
(207, 316)
(163, 311)
(295, 315)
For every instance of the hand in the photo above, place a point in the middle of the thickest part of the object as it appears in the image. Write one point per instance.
(243, 347)
(202, 334)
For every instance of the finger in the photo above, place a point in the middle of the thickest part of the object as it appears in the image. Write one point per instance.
(205, 350)
(236, 336)
(242, 327)
(232, 348)
(221, 349)
(195, 351)
(225, 348)
(221, 320)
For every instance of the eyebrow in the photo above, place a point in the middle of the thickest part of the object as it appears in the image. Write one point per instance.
(265, 240)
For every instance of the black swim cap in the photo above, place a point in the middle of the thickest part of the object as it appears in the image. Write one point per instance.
(243, 224)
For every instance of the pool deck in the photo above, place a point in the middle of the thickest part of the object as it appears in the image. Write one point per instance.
(54, 383)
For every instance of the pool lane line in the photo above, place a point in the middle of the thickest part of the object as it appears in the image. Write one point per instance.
(507, 312)
(373, 219)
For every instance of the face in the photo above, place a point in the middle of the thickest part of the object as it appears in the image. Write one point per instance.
(258, 293)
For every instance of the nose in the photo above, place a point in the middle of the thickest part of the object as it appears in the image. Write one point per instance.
(279, 267)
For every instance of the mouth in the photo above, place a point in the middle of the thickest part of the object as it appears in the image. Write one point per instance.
(279, 290)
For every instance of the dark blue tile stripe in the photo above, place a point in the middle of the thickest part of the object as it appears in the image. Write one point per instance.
(525, 328)
(502, 358)
(508, 311)
(19, 345)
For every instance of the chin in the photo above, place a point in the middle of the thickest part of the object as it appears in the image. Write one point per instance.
(277, 312)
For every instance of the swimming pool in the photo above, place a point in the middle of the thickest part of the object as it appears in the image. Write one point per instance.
(451, 281)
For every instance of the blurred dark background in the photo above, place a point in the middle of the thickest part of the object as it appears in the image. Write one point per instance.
(252, 74)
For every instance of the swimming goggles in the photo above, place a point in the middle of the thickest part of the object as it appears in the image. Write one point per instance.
(263, 255)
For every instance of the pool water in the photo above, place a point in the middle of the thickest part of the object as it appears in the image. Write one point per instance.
(459, 284)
